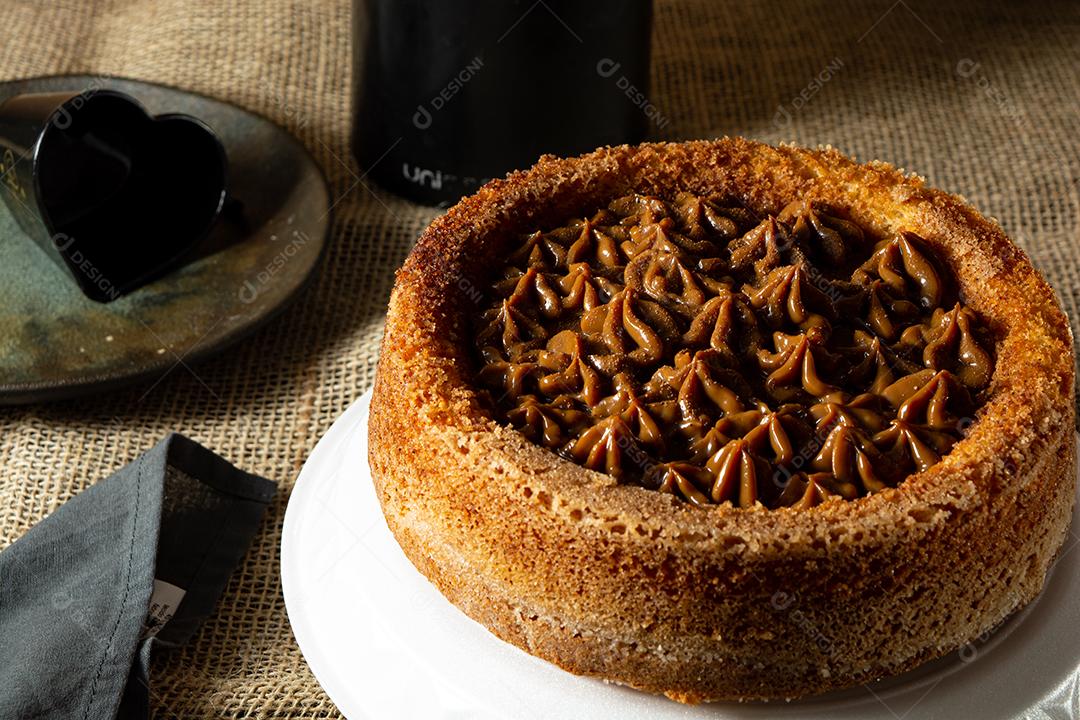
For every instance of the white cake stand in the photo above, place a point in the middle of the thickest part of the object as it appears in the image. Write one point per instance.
(385, 644)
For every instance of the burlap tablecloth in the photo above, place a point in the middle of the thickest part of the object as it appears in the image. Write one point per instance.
(982, 100)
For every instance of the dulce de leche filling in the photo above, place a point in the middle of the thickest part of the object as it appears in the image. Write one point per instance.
(694, 347)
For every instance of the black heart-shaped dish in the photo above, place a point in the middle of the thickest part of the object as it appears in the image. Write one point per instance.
(114, 195)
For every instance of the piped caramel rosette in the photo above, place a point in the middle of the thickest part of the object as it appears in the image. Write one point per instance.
(693, 347)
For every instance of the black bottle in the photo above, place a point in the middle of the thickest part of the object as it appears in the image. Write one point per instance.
(450, 93)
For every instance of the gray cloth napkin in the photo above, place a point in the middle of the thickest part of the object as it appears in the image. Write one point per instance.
(132, 563)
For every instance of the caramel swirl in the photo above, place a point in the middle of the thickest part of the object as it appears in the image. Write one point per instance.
(759, 249)
(831, 238)
(952, 343)
(704, 350)
(786, 296)
(905, 269)
(793, 367)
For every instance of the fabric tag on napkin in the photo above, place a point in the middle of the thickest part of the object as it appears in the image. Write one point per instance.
(133, 563)
(163, 602)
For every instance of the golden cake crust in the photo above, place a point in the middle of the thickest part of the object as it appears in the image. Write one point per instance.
(636, 587)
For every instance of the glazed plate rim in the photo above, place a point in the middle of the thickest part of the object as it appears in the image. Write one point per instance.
(98, 381)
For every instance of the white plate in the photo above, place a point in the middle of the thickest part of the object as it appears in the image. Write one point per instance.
(385, 644)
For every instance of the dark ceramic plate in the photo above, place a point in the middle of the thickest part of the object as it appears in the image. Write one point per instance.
(56, 343)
